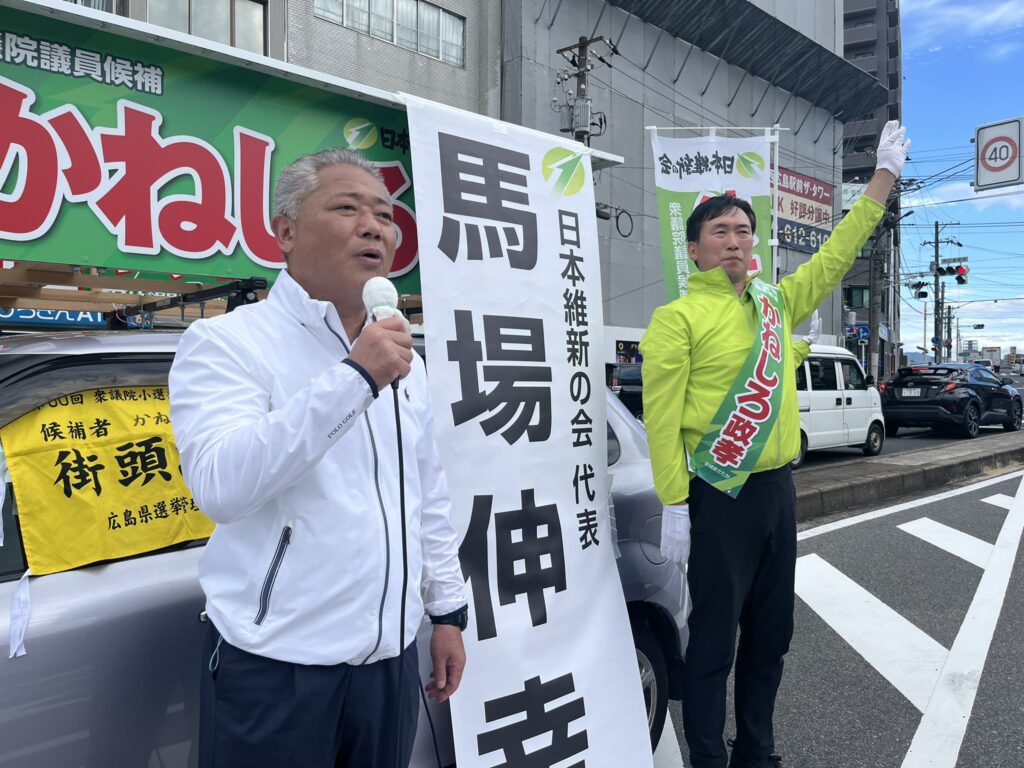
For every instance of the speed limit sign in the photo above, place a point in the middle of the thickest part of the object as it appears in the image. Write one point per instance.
(998, 155)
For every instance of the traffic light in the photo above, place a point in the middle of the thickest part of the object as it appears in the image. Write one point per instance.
(961, 274)
(944, 271)
(978, 326)
(918, 289)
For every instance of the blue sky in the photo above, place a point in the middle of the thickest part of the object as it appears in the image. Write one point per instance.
(963, 66)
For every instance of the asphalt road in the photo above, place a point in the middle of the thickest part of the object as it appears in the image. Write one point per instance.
(906, 440)
(909, 635)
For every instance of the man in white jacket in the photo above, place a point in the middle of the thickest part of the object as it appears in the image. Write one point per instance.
(286, 447)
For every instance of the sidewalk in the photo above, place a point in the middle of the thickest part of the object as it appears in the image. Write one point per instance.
(825, 490)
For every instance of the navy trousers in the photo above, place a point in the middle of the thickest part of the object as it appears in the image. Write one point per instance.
(740, 574)
(257, 712)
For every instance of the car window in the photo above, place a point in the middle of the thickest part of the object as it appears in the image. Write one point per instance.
(853, 376)
(823, 374)
(614, 448)
(801, 378)
(986, 378)
(629, 374)
(12, 557)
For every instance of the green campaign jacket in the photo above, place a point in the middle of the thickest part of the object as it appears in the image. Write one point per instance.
(695, 346)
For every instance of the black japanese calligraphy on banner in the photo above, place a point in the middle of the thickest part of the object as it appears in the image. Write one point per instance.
(539, 720)
(514, 323)
(696, 164)
(528, 554)
(520, 398)
(485, 199)
(98, 477)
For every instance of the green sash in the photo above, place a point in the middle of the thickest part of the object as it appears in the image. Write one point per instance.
(739, 430)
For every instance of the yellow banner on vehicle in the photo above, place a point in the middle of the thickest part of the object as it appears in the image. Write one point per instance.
(97, 477)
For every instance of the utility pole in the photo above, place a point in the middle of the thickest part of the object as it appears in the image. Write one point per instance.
(874, 308)
(877, 267)
(924, 339)
(949, 329)
(941, 314)
(578, 117)
(939, 294)
(938, 300)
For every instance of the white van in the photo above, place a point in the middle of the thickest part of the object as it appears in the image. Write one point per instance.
(838, 406)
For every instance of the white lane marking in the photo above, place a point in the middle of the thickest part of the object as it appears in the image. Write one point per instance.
(667, 755)
(903, 654)
(838, 524)
(1000, 500)
(963, 545)
(940, 735)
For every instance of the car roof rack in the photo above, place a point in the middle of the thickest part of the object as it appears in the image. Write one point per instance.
(237, 292)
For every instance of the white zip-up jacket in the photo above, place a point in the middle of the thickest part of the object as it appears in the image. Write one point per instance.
(286, 449)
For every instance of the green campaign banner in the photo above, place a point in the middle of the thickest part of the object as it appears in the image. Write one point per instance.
(689, 171)
(117, 152)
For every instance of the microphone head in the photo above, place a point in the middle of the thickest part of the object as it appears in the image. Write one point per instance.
(380, 293)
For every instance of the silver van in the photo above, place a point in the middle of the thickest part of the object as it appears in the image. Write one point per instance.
(839, 406)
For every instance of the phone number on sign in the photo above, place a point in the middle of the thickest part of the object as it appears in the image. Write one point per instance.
(802, 237)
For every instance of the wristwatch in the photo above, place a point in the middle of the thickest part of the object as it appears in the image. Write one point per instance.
(457, 618)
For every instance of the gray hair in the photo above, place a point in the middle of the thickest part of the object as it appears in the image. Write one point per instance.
(299, 180)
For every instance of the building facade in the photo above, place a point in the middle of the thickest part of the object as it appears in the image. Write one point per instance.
(446, 50)
(687, 63)
(871, 291)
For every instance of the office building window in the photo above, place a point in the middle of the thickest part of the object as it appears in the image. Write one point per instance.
(119, 7)
(856, 297)
(412, 24)
(241, 23)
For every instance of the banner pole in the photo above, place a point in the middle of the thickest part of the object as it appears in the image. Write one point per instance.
(772, 135)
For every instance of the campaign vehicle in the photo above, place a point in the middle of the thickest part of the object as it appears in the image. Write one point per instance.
(839, 405)
(956, 396)
(113, 650)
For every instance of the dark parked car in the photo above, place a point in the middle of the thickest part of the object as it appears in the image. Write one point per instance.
(114, 649)
(960, 396)
(628, 384)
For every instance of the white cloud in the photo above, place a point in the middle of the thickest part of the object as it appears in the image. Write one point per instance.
(1002, 51)
(930, 22)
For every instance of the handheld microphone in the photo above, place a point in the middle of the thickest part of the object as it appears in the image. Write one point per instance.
(380, 297)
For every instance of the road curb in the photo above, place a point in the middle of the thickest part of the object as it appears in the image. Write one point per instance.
(827, 490)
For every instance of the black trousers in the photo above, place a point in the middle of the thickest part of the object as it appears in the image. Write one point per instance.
(740, 574)
(257, 712)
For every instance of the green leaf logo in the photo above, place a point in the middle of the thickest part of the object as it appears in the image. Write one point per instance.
(749, 164)
(567, 168)
(360, 133)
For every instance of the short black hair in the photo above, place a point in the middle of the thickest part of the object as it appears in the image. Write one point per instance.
(712, 208)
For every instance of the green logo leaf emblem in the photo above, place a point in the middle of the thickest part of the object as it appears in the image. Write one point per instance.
(360, 133)
(749, 164)
(567, 168)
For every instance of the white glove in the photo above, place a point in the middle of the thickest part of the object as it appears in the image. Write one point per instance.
(892, 149)
(675, 533)
(815, 332)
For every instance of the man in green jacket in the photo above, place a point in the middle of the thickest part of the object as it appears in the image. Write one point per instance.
(722, 423)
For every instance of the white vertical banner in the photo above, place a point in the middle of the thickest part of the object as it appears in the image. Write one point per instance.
(513, 319)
